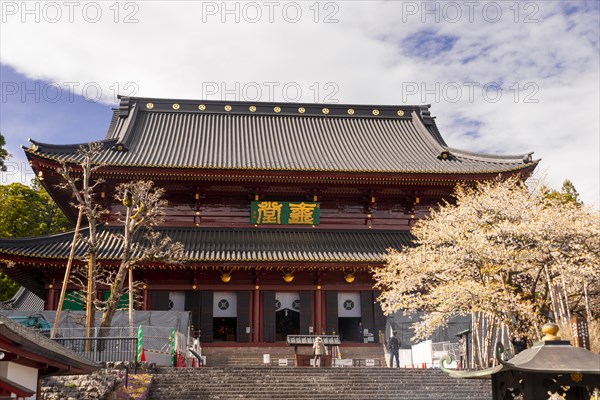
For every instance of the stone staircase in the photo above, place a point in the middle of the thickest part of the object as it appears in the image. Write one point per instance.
(247, 356)
(230, 383)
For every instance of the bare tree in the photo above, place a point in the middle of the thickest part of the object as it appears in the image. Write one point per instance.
(104, 279)
(79, 181)
(144, 209)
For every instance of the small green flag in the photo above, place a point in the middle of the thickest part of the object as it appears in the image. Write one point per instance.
(139, 345)
(172, 346)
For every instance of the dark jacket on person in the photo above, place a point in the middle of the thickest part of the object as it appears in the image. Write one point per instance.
(394, 344)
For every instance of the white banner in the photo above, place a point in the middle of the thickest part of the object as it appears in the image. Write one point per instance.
(177, 301)
(287, 300)
(421, 354)
(225, 304)
(349, 304)
(405, 358)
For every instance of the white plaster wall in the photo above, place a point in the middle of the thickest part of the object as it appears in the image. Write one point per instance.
(24, 376)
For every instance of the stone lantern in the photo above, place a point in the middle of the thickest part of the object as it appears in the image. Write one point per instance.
(551, 366)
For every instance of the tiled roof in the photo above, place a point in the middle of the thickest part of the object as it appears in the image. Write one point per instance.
(14, 387)
(227, 244)
(23, 300)
(31, 341)
(212, 135)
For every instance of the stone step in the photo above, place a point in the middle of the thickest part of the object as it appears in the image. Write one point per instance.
(312, 383)
(248, 356)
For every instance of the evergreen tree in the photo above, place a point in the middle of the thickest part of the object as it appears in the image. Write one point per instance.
(3, 153)
(567, 194)
(26, 211)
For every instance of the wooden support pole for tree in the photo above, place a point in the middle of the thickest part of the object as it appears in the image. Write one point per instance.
(131, 299)
(63, 290)
(88, 303)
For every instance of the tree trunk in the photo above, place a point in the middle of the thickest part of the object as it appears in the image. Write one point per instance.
(551, 292)
(131, 300)
(564, 286)
(116, 290)
(587, 303)
(476, 341)
(90, 306)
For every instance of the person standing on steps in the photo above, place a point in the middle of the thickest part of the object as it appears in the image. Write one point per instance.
(318, 350)
(394, 349)
(360, 332)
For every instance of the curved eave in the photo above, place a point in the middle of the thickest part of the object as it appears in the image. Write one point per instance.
(555, 357)
(553, 370)
(212, 245)
(42, 349)
(65, 148)
(397, 174)
(345, 260)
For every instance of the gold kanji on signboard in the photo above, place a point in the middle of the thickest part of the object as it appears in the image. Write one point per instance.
(301, 213)
(269, 212)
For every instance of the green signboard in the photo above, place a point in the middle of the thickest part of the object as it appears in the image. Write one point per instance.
(72, 301)
(123, 303)
(285, 212)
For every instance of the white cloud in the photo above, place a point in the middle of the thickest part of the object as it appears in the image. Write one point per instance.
(175, 50)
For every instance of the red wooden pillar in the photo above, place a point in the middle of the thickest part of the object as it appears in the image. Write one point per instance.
(50, 298)
(256, 315)
(146, 298)
(251, 317)
(318, 311)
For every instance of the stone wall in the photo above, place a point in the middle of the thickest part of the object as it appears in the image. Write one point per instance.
(99, 385)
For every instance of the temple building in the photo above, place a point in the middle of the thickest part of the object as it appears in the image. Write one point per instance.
(283, 209)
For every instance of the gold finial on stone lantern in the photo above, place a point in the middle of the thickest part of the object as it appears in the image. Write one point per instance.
(550, 329)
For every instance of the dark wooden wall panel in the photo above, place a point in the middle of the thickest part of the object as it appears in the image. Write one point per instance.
(380, 318)
(331, 312)
(306, 307)
(160, 300)
(243, 315)
(268, 301)
(206, 316)
(366, 306)
(193, 305)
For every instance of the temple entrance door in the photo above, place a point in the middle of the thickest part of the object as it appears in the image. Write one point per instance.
(350, 316)
(351, 329)
(287, 315)
(225, 316)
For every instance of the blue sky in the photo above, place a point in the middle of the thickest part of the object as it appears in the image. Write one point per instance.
(502, 77)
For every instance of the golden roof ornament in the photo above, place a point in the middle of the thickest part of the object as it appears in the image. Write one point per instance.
(550, 330)
(288, 277)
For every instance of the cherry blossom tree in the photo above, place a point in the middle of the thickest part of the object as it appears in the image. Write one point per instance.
(501, 252)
